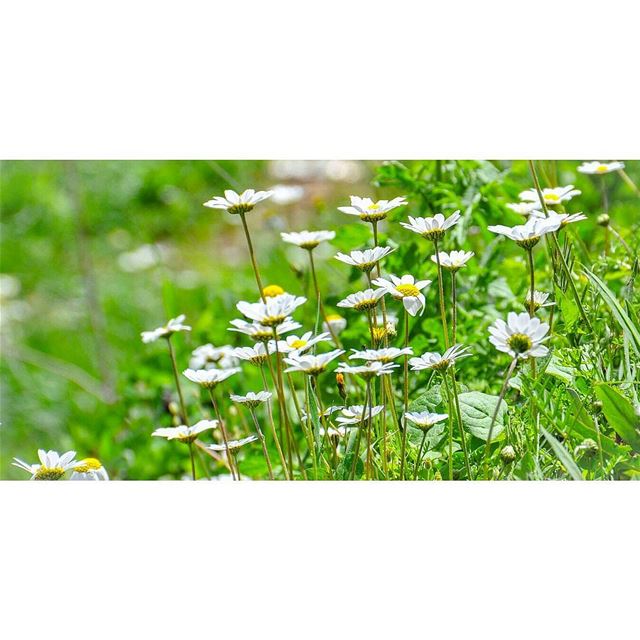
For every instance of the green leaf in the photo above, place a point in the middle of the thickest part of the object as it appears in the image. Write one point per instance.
(563, 455)
(428, 401)
(568, 308)
(560, 371)
(620, 414)
(477, 410)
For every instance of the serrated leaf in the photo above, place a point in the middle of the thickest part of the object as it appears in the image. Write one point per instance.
(563, 455)
(620, 414)
(477, 410)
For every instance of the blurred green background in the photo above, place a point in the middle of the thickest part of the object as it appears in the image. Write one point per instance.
(93, 252)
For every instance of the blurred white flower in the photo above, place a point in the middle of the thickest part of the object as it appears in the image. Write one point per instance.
(252, 399)
(423, 419)
(184, 433)
(364, 260)
(382, 355)
(233, 444)
(407, 289)
(521, 336)
(238, 203)
(285, 194)
(209, 378)
(52, 465)
(596, 167)
(551, 195)
(372, 369)
(209, 357)
(524, 208)
(337, 323)
(144, 257)
(369, 211)
(272, 312)
(362, 300)
(89, 469)
(436, 362)
(528, 234)
(299, 344)
(357, 413)
(311, 365)
(432, 228)
(173, 326)
(9, 286)
(307, 239)
(454, 260)
(260, 332)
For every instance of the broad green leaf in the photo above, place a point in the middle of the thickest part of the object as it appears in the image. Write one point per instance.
(477, 410)
(563, 455)
(561, 371)
(428, 401)
(568, 308)
(620, 414)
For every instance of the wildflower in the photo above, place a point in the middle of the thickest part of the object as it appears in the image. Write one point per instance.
(209, 378)
(342, 387)
(183, 433)
(308, 239)
(252, 400)
(272, 290)
(382, 330)
(311, 365)
(369, 211)
(432, 228)
(507, 454)
(423, 419)
(603, 220)
(262, 333)
(436, 362)
(407, 289)
(209, 357)
(563, 219)
(362, 300)
(601, 168)
(302, 343)
(173, 326)
(336, 322)
(551, 196)
(454, 260)
(364, 260)
(238, 203)
(272, 312)
(372, 369)
(524, 208)
(539, 300)
(233, 444)
(528, 234)
(287, 193)
(257, 354)
(52, 465)
(334, 432)
(357, 412)
(521, 336)
(321, 414)
(89, 469)
(381, 355)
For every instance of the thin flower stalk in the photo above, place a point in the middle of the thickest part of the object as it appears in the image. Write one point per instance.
(443, 313)
(321, 309)
(225, 437)
(263, 442)
(274, 431)
(174, 365)
(253, 257)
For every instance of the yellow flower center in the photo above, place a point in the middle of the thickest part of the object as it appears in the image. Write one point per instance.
(602, 168)
(552, 196)
(49, 473)
(298, 344)
(520, 342)
(373, 207)
(88, 464)
(408, 290)
(367, 303)
(334, 317)
(272, 290)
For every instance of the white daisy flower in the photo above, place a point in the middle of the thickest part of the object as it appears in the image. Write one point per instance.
(89, 469)
(324, 414)
(286, 193)
(528, 234)
(521, 336)
(369, 211)
(302, 343)
(601, 168)
(233, 444)
(209, 378)
(382, 330)
(381, 355)
(371, 369)
(551, 195)
(362, 300)
(563, 219)
(407, 289)
(454, 260)
(272, 312)
(354, 413)
(238, 203)
(334, 432)
(423, 419)
(257, 354)
(262, 333)
(52, 465)
(173, 326)
(272, 291)
(336, 322)
(525, 208)
(311, 365)
(183, 433)
(209, 357)
(364, 260)
(432, 228)
(252, 399)
(539, 300)
(433, 360)
(308, 239)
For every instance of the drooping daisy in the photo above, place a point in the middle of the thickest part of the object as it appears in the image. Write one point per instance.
(521, 336)
(432, 228)
(454, 260)
(335, 322)
(423, 419)
(407, 289)
(252, 399)
(362, 300)
(528, 234)
(89, 469)
(524, 208)
(321, 414)
(173, 326)
(601, 168)
(272, 312)
(238, 203)
(364, 260)
(52, 465)
(369, 211)
(233, 444)
(382, 330)
(372, 369)
(551, 195)
(257, 354)
(334, 432)
(563, 219)
(183, 433)
(539, 300)
(311, 365)
(209, 357)
(262, 333)
(381, 355)
(299, 344)
(209, 378)
(436, 362)
(272, 291)
(357, 412)
(308, 239)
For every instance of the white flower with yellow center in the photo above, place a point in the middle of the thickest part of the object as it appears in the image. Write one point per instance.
(362, 300)
(539, 300)
(407, 289)
(238, 202)
(209, 378)
(432, 360)
(454, 260)
(308, 239)
(528, 234)
(563, 219)
(301, 343)
(311, 365)
(600, 168)
(262, 333)
(209, 357)
(272, 312)
(524, 208)
(252, 399)
(52, 465)
(322, 414)
(521, 336)
(381, 355)
(89, 469)
(432, 228)
(233, 444)
(382, 330)
(425, 420)
(185, 434)
(173, 326)
(356, 413)
(372, 369)
(551, 195)
(364, 260)
(336, 322)
(258, 354)
(369, 211)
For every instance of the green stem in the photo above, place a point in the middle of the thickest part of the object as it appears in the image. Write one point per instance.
(417, 464)
(176, 376)
(463, 437)
(443, 313)
(225, 438)
(323, 313)
(273, 427)
(403, 446)
(252, 256)
(262, 442)
(193, 464)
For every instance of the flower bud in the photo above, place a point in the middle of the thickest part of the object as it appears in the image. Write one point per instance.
(508, 454)
(342, 390)
(587, 447)
(603, 220)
